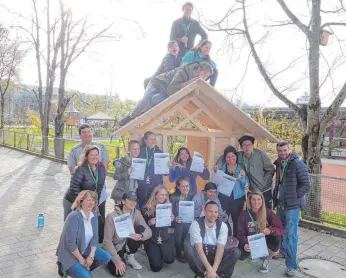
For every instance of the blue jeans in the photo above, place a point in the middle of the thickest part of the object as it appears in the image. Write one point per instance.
(290, 221)
(79, 271)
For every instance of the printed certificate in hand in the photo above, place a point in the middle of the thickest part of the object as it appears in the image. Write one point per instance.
(123, 225)
(258, 246)
(197, 164)
(138, 168)
(163, 215)
(104, 195)
(227, 185)
(217, 177)
(161, 161)
(187, 211)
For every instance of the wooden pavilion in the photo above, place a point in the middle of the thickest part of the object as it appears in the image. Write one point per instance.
(209, 121)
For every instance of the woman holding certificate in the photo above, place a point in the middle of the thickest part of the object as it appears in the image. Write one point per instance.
(125, 229)
(183, 210)
(158, 214)
(78, 252)
(146, 186)
(258, 219)
(232, 202)
(122, 172)
(181, 168)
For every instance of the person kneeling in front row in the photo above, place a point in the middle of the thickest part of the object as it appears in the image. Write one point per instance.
(77, 251)
(119, 247)
(259, 219)
(205, 246)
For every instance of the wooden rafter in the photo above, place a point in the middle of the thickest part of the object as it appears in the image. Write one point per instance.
(183, 132)
(187, 119)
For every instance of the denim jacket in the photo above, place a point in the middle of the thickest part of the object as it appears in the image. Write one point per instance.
(239, 187)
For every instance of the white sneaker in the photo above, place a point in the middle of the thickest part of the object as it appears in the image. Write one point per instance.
(131, 261)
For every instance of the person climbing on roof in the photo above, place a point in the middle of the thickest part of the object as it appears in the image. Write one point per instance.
(200, 53)
(166, 84)
(185, 29)
(169, 62)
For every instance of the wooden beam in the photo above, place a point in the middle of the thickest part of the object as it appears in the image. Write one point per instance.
(187, 119)
(164, 142)
(182, 132)
(154, 110)
(212, 153)
(198, 124)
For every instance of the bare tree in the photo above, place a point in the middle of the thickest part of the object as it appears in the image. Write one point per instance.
(76, 37)
(11, 55)
(235, 24)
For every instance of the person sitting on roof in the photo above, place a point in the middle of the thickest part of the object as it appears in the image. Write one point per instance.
(166, 84)
(200, 53)
(169, 62)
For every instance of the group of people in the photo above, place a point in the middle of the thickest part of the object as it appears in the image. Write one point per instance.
(183, 64)
(217, 237)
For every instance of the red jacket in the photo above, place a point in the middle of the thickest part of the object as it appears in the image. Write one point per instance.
(246, 228)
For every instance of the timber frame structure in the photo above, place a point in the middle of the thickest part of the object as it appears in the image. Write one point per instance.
(209, 121)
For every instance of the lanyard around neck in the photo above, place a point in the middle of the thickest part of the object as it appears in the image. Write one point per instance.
(282, 171)
(94, 176)
(147, 156)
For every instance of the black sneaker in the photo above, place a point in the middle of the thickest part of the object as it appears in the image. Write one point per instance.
(125, 120)
(181, 258)
(61, 274)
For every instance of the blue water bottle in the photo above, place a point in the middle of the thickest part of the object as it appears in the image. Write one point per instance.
(40, 220)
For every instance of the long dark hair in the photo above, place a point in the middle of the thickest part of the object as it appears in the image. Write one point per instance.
(178, 182)
(230, 149)
(199, 46)
(177, 156)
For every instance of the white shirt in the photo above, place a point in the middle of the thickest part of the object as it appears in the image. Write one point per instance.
(88, 229)
(210, 234)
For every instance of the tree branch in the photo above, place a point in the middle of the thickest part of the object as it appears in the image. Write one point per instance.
(304, 28)
(332, 24)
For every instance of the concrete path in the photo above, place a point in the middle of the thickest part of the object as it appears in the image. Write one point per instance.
(29, 185)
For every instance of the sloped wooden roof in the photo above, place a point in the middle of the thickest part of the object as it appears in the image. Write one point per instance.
(100, 116)
(196, 110)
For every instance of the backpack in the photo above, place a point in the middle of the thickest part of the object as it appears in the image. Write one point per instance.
(201, 224)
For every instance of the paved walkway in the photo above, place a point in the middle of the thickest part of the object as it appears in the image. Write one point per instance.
(29, 185)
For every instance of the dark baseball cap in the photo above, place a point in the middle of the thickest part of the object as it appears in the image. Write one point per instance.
(130, 196)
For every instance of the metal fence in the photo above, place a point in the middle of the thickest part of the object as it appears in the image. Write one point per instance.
(326, 200)
(33, 143)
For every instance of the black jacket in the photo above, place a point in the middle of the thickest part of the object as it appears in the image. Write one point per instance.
(177, 32)
(83, 180)
(295, 183)
(169, 62)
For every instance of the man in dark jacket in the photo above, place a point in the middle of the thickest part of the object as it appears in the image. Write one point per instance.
(166, 84)
(184, 30)
(169, 62)
(292, 183)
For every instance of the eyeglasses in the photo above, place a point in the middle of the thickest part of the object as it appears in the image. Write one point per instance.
(247, 145)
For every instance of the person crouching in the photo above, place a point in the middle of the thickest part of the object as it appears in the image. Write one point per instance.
(205, 248)
(119, 247)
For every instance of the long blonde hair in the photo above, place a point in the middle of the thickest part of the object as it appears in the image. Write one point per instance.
(84, 157)
(77, 204)
(262, 212)
(151, 204)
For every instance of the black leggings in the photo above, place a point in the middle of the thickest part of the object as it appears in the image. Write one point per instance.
(180, 232)
(133, 247)
(159, 253)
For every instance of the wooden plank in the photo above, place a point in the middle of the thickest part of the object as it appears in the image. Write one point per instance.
(187, 119)
(199, 125)
(156, 109)
(182, 132)
(212, 153)
(164, 142)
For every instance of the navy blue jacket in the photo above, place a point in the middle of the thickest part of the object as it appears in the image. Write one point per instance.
(169, 62)
(295, 183)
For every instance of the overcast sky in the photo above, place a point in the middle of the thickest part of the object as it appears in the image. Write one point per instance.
(120, 67)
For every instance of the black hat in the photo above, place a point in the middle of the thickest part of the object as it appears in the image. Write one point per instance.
(130, 196)
(245, 138)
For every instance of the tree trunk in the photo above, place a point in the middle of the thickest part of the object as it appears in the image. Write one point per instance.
(2, 116)
(60, 125)
(313, 125)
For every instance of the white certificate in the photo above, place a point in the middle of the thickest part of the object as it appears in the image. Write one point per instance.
(161, 161)
(138, 168)
(123, 225)
(187, 211)
(197, 164)
(163, 215)
(104, 195)
(227, 185)
(258, 246)
(217, 177)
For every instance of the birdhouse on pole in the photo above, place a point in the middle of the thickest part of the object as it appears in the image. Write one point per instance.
(324, 37)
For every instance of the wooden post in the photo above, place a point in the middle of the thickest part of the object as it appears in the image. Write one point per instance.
(14, 139)
(212, 153)
(164, 143)
(27, 142)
